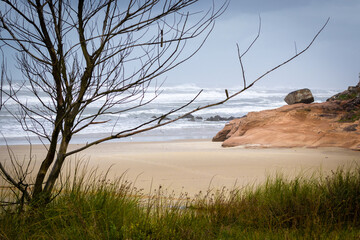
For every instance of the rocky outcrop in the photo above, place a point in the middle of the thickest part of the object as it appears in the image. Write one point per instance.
(351, 93)
(218, 118)
(190, 117)
(330, 124)
(225, 133)
(299, 96)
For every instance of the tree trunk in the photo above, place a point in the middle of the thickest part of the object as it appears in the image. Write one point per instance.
(46, 164)
(45, 195)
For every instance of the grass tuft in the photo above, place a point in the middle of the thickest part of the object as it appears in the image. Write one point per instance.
(91, 207)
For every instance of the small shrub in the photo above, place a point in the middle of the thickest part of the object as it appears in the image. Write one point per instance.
(347, 96)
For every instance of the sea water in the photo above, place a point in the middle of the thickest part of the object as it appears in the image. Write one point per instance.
(254, 99)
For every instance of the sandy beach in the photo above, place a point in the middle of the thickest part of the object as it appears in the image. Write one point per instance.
(198, 165)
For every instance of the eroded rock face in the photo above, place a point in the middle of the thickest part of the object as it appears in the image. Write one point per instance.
(224, 134)
(298, 125)
(299, 96)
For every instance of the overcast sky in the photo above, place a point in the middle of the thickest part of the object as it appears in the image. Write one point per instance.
(333, 62)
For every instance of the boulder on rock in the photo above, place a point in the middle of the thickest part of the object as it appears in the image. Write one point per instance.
(299, 96)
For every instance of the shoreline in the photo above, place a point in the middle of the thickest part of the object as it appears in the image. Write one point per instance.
(191, 166)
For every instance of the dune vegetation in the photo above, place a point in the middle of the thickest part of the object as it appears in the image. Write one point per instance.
(323, 206)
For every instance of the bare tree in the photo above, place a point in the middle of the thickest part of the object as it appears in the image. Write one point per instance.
(97, 51)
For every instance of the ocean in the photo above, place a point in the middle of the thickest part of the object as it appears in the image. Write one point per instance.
(254, 99)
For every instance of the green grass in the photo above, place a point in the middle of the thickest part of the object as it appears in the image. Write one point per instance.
(347, 96)
(318, 207)
(351, 116)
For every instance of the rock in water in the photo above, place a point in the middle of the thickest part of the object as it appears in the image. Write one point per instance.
(219, 118)
(299, 96)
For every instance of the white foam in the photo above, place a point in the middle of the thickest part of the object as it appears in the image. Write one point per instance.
(170, 98)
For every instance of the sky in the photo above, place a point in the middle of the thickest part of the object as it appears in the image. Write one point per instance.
(332, 62)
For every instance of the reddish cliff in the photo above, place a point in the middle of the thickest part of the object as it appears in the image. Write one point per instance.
(334, 123)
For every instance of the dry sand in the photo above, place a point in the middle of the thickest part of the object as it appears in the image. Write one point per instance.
(197, 165)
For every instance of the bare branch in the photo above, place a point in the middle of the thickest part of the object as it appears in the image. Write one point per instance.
(137, 129)
(240, 56)
(255, 39)
(293, 57)
(241, 65)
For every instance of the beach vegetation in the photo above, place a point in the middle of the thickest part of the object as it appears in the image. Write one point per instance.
(322, 206)
(347, 96)
(351, 116)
